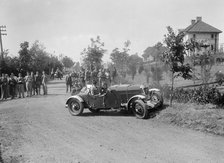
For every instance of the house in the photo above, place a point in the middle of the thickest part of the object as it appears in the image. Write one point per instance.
(203, 32)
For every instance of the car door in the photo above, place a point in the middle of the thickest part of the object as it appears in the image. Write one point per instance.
(96, 101)
(112, 99)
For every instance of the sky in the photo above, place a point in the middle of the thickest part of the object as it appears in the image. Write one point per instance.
(66, 26)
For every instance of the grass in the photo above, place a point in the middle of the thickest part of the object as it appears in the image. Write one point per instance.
(205, 118)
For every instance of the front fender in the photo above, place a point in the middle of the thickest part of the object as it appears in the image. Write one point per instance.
(154, 90)
(73, 97)
(136, 96)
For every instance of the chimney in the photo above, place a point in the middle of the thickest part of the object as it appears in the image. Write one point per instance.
(198, 18)
(192, 22)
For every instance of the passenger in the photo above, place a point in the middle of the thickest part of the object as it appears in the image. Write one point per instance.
(103, 88)
(94, 89)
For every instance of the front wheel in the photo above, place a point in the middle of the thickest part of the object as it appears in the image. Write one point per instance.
(140, 109)
(75, 107)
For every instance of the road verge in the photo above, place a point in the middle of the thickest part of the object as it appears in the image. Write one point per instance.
(206, 118)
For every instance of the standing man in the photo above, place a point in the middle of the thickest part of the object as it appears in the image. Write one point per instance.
(12, 85)
(87, 76)
(108, 77)
(28, 81)
(33, 83)
(20, 85)
(68, 81)
(38, 82)
(0, 87)
(44, 83)
(52, 73)
(94, 75)
(82, 76)
(7, 85)
(4, 87)
(101, 76)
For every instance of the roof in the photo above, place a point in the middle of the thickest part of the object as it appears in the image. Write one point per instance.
(201, 27)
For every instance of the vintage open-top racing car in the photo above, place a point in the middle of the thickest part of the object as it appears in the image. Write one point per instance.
(134, 98)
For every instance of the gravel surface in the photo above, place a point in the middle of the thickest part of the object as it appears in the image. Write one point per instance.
(40, 129)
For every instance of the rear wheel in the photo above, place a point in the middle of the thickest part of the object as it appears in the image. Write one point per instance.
(75, 107)
(140, 109)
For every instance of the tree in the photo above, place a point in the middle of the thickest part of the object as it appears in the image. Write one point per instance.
(141, 68)
(174, 57)
(206, 61)
(134, 61)
(40, 58)
(154, 67)
(77, 66)
(200, 55)
(25, 57)
(67, 62)
(157, 73)
(120, 59)
(155, 52)
(92, 56)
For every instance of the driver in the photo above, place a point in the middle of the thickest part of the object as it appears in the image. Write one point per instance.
(94, 89)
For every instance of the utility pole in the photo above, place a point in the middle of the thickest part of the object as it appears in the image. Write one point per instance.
(2, 29)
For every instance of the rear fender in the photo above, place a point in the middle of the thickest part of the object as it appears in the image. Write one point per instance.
(74, 97)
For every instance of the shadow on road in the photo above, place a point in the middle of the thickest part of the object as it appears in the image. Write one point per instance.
(153, 113)
(108, 113)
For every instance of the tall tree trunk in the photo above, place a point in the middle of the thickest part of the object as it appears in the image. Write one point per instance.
(172, 83)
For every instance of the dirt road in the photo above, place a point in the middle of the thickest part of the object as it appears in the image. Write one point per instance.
(40, 129)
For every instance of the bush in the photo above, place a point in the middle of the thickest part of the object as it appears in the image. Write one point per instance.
(201, 95)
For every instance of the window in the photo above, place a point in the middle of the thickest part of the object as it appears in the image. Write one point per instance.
(212, 47)
(212, 36)
(194, 36)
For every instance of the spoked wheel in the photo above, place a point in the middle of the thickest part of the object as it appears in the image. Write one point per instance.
(94, 110)
(140, 109)
(75, 107)
(157, 98)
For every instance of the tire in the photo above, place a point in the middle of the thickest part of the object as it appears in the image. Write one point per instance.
(140, 109)
(157, 98)
(94, 110)
(75, 107)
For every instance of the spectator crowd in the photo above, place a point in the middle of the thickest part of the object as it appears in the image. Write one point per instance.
(98, 77)
(18, 86)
